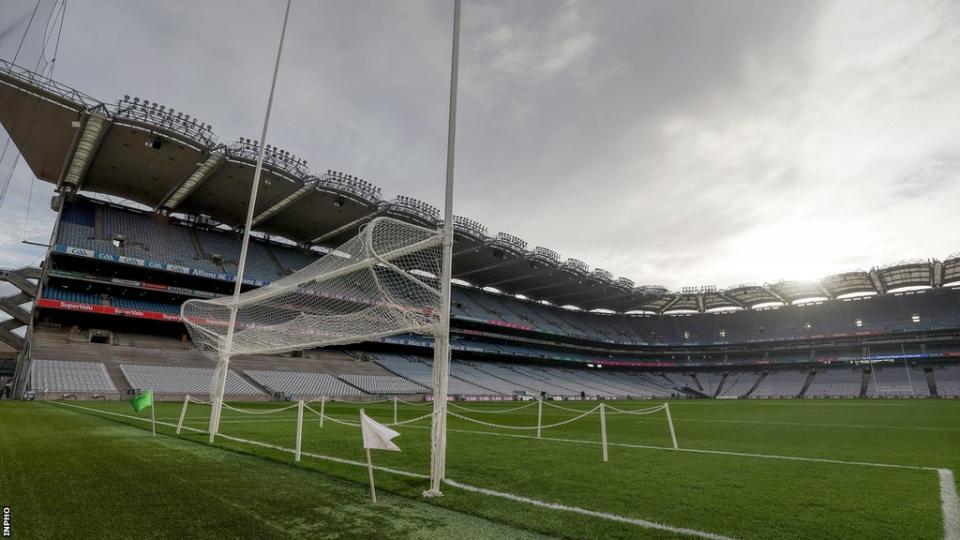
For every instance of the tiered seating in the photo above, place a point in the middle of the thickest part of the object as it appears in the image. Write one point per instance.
(781, 384)
(299, 384)
(421, 372)
(892, 381)
(383, 384)
(183, 380)
(836, 382)
(260, 265)
(144, 305)
(467, 372)
(948, 380)
(520, 378)
(66, 295)
(739, 383)
(153, 238)
(60, 376)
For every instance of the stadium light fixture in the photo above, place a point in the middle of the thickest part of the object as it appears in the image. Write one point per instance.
(858, 323)
(915, 317)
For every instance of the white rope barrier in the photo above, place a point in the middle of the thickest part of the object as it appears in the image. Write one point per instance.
(523, 428)
(421, 404)
(271, 411)
(468, 409)
(357, 424)
(412, 420)
(651, 410)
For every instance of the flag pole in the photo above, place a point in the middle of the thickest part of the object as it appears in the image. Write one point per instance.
(373, 488)
(441, 339)
(153, 412)
(222, 368)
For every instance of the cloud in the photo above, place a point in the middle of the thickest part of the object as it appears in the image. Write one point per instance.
(678, 142)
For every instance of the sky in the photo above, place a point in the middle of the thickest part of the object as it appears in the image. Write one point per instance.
(675, 142)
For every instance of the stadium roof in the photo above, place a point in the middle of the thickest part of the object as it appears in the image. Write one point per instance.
(172, 162)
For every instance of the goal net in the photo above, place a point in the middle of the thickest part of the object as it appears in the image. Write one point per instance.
(380, 283)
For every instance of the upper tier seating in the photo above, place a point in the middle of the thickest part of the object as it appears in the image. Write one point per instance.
(61, 376)
(299, 384)
(183, 380)
(155, 238)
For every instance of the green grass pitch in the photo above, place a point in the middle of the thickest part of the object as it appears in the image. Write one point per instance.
(745, 469)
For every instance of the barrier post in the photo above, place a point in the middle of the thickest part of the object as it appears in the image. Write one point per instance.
(394, 409)
(323, 402)
(183, 413)
(539, 415)
(603, 430)
(673, 434)
(299, 429)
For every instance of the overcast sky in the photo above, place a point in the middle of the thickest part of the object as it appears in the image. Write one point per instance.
(672, 142)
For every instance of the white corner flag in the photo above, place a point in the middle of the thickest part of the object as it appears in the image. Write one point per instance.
(376, 436)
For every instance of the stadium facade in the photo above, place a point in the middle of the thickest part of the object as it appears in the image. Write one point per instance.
(105, 320)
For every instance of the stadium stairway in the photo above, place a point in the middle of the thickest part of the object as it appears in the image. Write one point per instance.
(931, 382)
(116, 375)
(723, 381)
(252, 382)
(806, 384)
(755, 384)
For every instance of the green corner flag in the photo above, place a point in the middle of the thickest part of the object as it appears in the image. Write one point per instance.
(142, 401)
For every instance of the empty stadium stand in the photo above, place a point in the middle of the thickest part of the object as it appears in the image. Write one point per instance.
(177, 381)
(88, 378)
(301, 385)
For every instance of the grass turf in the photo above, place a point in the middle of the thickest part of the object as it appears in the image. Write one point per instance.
(67, 475)
(742, 496)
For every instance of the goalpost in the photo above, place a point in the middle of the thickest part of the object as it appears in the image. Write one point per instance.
(397, 281)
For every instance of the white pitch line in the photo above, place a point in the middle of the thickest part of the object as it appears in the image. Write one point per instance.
(592, 513)
(814, 424)
(466, 487)
(698, 451)
(951, 505)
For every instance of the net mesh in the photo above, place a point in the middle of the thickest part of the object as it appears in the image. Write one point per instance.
(380, 283)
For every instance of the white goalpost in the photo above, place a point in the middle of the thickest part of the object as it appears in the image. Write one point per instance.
(393, 278)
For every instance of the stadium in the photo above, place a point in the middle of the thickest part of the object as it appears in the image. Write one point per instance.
(581, 405)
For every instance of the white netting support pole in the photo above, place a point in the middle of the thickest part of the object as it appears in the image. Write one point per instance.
(220, 383)
(223, 368)
(323, 403)
(603, 431)
(299, 430)
(394, 409)
(183, 412)
(673, 434)
(539, 415)
(441, 339)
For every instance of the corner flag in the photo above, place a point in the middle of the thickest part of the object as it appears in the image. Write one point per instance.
(142, 401)
(376, 436)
